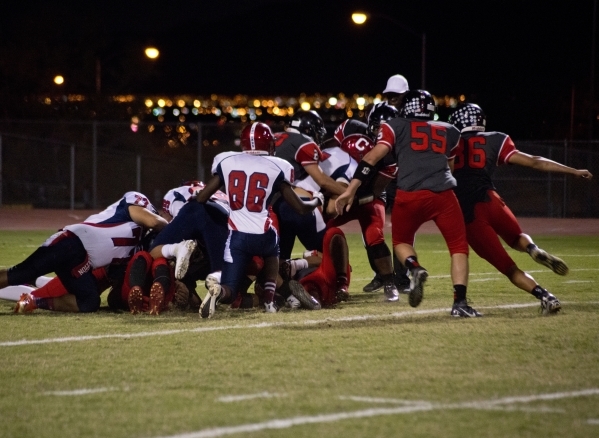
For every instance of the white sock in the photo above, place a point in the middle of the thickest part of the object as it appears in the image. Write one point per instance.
(297, 265)
(168, 250)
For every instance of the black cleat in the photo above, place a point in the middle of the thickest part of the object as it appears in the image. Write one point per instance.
(419, 276)
(461, 309)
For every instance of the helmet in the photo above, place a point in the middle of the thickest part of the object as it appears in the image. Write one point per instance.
(468, 117)
(418, 103)
(257, 139)
(309, 123)
(379, 112)
(357, 145)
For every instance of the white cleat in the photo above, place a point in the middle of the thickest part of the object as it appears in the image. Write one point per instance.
(213, 296)
(183, 252)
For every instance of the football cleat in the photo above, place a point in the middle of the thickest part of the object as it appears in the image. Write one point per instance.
(374, 286)
(26, 304)
(419, 276)
(461, 309)
(307, 301)
(292, 302)
(215, 293)
(270, 307)
(183, 252)
(156, 298)
(550, 304)
(391, 292)
(135, 300)
(554, 263)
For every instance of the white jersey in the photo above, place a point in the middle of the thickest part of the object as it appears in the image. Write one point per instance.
(111, 236)
(176, 198)
(250, 183)
(337, 164)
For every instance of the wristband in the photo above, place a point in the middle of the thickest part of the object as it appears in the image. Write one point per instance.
(364, 172)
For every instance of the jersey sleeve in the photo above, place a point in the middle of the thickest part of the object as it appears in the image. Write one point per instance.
(136, 198)
(308, 153)
(453, 142)
(386, 135)
(508, 148)
(339, 134)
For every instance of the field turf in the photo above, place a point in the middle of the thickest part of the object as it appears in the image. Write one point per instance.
(363, 369)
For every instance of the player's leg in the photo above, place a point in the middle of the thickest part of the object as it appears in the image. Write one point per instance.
(410, 211)
(135, 288)
(450, 222)
(491, 218)
(372, 221)
(163, 286)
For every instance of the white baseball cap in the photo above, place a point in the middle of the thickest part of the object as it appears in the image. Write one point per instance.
(396, 84)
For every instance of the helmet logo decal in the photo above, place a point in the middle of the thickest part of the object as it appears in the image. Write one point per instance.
(252, 138)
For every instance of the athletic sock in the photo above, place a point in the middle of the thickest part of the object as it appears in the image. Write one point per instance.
(459, 292)
(168, 250)
(44, 303)
(538, 292)
(387, 278)
(412, 262)
(341, 280)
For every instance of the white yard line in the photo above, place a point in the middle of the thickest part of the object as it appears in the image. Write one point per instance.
(82, 391)
(418, 406)
(407, 313)
(243, 397)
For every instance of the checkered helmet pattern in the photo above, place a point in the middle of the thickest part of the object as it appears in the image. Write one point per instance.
(468, 117)
(418, 103)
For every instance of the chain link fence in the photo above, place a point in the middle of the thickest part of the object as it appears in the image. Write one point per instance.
(88, 165)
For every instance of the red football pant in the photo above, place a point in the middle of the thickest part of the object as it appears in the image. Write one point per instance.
(493, 219)
(324, 279)
(151, 266)
(371, 217)
(54, 288)
(412, 209)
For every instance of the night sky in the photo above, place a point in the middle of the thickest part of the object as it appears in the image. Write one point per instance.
(519, 60)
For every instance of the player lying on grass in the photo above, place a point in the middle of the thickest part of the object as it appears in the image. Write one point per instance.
(486, 215)
(108, 237)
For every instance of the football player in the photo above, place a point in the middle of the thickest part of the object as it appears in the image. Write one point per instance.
(251, 178)
(486, 215)
(424, 151)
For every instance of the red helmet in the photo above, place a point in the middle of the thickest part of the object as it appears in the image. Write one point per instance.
(357, 145)
(257, 139)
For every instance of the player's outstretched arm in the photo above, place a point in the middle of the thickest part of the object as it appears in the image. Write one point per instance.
(325, 182)
(212, 186)
(145, 218)
(546, 165)
(299, 205)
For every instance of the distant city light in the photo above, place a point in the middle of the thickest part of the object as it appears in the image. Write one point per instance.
(305, 106)
(58, 80)
(149, 103)
(360, 101)
(333, 101)
(161, 103)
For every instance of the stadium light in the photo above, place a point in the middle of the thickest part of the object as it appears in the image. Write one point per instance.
(360, 18)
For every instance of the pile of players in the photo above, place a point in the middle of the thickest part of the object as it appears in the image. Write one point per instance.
(239, 228)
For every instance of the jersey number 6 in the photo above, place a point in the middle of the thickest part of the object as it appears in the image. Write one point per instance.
(249, 192)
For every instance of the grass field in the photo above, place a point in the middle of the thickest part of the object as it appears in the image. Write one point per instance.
(364, 369)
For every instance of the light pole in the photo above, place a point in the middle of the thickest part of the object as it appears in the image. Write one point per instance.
(361, 17)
